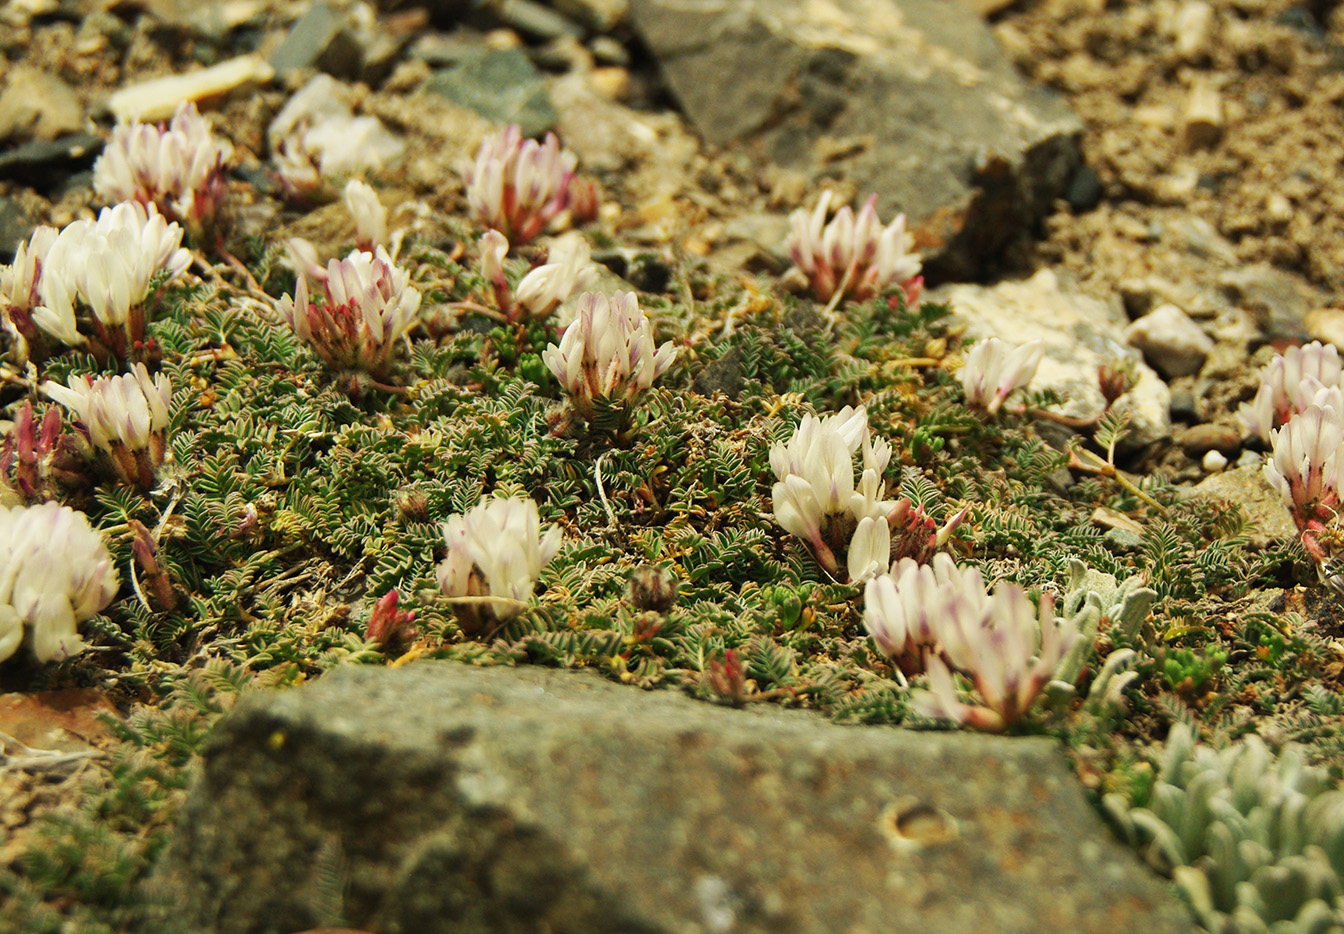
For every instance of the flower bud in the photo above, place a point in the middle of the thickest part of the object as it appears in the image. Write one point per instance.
(653, 588)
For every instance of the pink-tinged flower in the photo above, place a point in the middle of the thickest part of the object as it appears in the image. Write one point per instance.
(55, 572)
(20, 290)
(518, 186)
(1288, 384)
(607, 356)
(369, 214)
(124, 417)
(180, 168)
(1007, 647)
(365, 309)
(853, 254)
(994, 370)
(902, 609)
(109, 265)
(495, 556)
(1305, 465)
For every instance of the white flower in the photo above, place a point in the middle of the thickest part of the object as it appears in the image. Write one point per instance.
(180, 168)
(109, 264)
(855, 254)
(568, 270)
(124, 416)
(1305, 464)
(902, 610)
(366, 307)
(607, 353)
(495, 550)
(20, 288)
(494, 247)
(55, 571)
(796, 508)
(869, 549)
(849, 427)
(20, 279)
(1009, 649)
(369, 214)
(1288, 384)
(993, 371)
(518, 186)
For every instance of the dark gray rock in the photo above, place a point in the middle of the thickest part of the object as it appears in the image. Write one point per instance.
(16, 226)
(320, 39)
(503, 86)
(444, 798)
(45, 164)
(911, 99)
(1277, 301)
(534, 20)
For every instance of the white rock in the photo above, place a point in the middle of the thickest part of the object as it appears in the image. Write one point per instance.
(1079, 332)
(1214, 462)
(156, 100)
(1193, 28)
(1170, 341)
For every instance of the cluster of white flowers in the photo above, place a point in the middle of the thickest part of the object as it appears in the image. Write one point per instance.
(607, 355)
(815, 497)
(1288, 384)
(853, 255)
(55, 572)
(108, 264)
(124, 417)
(568, 269)
(369, 214)
(518, 186)
(941, 618)
(366, 308)
(1299, 411)
(495, 556)
(180, 167)
(316, 136)
(994, 370)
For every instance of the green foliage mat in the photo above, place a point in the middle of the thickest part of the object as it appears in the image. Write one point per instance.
(290, 506)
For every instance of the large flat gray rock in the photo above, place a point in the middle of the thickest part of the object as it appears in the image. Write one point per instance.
(911, 99)
(444, 798)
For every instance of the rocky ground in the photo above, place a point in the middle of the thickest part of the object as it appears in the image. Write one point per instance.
(1203, 186)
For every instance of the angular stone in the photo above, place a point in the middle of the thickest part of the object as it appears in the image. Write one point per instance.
(45, 164)
(1268, 519)
(500, 85)
(1080, 333)
(320, 39)
(911, 99)
(16, 226)
(1171, 341)
(1278, 301)
(38, 105)
(444, 798)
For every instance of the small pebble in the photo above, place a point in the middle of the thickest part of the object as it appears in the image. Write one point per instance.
(1214, 462)
(1197, 439)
